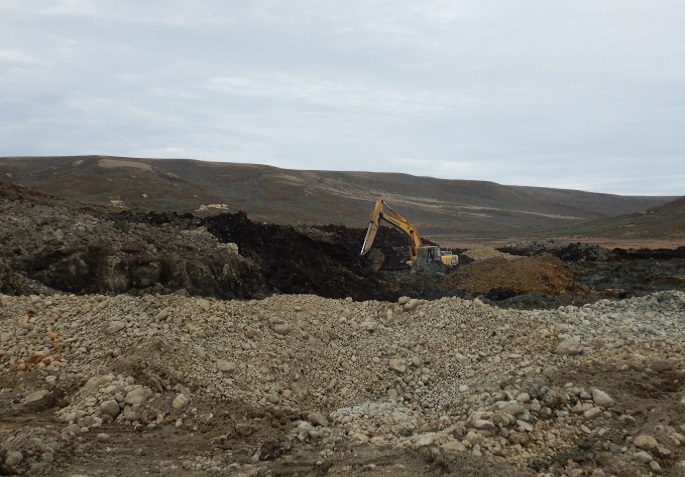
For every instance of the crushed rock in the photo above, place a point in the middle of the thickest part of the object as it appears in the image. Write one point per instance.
(451, 373)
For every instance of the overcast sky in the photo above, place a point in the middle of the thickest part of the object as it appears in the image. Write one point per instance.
(582, 94)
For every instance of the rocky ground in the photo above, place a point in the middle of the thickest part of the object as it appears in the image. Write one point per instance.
(304, 385)
(139, 343)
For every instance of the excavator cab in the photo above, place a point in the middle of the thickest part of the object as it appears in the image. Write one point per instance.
(429, 254)
(433, 253)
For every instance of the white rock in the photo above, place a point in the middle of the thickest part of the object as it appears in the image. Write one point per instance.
(426, 439)
(138, 396)
(397, 365)
(484, 424)
(162, 315)
(38, 396)
(643, 456)
(570, 347)
(180, 401)
(226, 366)
(115, 327)
(645, 441)
(601, 398)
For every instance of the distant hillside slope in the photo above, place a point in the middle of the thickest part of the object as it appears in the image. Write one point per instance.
(439, 208)
(665, 221)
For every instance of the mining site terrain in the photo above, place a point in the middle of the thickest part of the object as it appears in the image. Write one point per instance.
(145, 341)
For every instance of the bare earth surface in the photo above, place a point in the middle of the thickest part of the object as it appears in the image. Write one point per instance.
(158, 344)
(303, 385)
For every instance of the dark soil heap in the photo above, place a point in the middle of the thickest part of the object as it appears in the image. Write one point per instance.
(48, 244)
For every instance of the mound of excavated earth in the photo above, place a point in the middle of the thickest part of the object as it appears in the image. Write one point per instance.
(48, 248)
(543, 274)
(303, 385)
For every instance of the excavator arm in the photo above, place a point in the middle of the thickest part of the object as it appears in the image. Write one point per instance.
(385, 212)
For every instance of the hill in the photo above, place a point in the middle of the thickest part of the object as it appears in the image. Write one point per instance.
(442, 210)
(663, 222)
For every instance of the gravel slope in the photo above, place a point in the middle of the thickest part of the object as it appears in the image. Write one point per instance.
(265, 385)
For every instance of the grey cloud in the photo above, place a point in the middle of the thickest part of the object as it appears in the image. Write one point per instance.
(581, 95)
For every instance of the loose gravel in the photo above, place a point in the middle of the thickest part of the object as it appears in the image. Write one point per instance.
(536, 389)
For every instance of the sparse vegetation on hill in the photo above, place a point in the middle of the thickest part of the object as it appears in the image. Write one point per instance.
(448, 209)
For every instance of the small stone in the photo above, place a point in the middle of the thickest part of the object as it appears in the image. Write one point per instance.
(317, 419)
(645, 442)
(110, 408)
(411, 305)
(463, 388)
(426, 439)
(225, 366)
(397, 365)
(484, 424)
(115, 327)
(103, 437)
(454, 446)
(403, 300)
(654, 465)
(38, 397)
(180, 401)
(601, 398)
(369, 325)
(523, 398)
(204, 304)
(138, 396)
(663, 452)
(273, 398)
(282, 329)
(592, 413)
(569, 347)
(162, 315)
(13, 458)
(94, 383)
(72, 429)
(525, 426)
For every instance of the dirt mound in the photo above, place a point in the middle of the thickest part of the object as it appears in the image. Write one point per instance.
(544, 275)
(55, 248)
(569, 252)
(324, 260)
(654, 254)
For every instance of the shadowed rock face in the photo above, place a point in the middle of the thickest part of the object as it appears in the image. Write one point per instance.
(80, 252)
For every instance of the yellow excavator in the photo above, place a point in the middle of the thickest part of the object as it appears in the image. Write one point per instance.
(418, 252)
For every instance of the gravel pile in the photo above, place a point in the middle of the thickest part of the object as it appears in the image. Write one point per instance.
(537, 389)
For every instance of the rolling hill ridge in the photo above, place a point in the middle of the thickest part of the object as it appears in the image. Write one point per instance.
(439, 208)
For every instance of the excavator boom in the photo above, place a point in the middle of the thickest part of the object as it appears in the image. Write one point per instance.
(385, 212)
